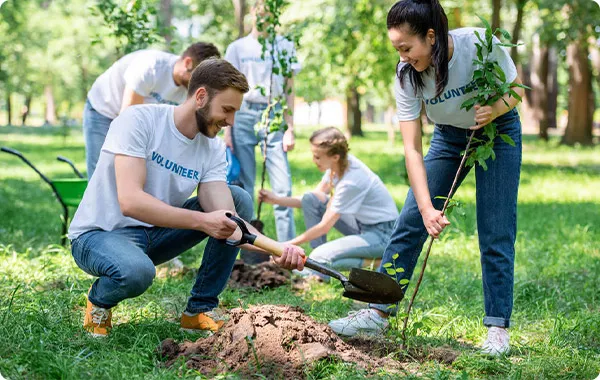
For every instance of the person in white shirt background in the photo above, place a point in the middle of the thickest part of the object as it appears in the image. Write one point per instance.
(245, 55)
(144, 76)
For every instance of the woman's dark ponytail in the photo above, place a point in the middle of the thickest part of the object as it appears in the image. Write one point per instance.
(420, 16)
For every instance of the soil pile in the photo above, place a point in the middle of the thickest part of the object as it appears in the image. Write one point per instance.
(276, 341)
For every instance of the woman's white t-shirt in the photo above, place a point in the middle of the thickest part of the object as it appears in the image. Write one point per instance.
(361, 193)
(445, 108)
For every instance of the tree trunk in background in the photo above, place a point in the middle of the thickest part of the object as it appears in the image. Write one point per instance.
(26, 109)
(50, 117)
(496, 6)
(457, 17)
(240, 9)
(8, 108)
(370, 113)
(552, 86)
(539, 86)
(165, 17)
(353, 113)
(581, 106)
(516, 33)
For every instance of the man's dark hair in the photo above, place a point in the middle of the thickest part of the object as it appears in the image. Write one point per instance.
(216, 75)
(200, 51)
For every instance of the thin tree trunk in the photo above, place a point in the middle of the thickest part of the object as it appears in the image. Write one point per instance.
(457, 12)
(370, 113)
(50, 107)
(166, 16)
(552, 86)
(388, 119)
(354, 115)
(516, 34)
(581, 106)
(26, 109)
(240, 9)
(8, 107)
(539, 85)
(496, 7)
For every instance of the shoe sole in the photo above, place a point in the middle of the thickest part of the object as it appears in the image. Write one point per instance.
(196, 331)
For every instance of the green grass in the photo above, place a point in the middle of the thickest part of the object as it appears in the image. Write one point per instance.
(556, 316)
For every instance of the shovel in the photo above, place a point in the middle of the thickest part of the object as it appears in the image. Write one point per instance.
(362, 285)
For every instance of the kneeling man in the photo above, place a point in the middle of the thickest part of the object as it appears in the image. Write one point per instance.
(137, 212)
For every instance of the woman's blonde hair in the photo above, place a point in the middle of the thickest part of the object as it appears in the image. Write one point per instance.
(333, 141)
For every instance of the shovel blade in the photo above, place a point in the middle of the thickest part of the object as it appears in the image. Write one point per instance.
(373, 287)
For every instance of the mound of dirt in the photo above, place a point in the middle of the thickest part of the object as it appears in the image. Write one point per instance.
(263, 275)
(276, 341)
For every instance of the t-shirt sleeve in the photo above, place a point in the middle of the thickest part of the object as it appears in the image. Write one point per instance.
(408, 105)
(502, 56)
(231, 56)
(128, 135)
(348, 198)
(140, 76)
(217, 170)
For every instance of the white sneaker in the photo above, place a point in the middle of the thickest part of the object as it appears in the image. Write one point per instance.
(497, 341)
(366, 321)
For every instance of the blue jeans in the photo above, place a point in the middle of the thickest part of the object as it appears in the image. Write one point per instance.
(245, 140)
(360, 241)
(124, 259)
(496, 212)
(95, 128)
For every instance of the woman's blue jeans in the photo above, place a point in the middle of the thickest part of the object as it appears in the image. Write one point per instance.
(496, 199)
(124, 259)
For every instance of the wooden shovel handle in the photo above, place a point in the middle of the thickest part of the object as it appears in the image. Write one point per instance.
(273, 247)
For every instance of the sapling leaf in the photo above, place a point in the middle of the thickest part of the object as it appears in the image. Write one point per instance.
(507, 139)
(387, 265)
(390, 271)
(404, 281)
(395, 256)
(504, 33)
(399, 270)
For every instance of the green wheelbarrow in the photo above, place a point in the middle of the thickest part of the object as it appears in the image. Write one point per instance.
(68, 191)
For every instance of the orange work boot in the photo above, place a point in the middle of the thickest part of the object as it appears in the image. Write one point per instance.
(209, 321)
(97, 320)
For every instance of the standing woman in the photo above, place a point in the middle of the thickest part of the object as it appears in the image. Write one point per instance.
(350, 197)
(436, 67)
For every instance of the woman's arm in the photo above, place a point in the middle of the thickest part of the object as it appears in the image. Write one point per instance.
(327, 222)
(413, 152)
(486, 114)
(270, 197)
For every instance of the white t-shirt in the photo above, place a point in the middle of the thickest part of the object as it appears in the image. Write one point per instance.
(245, 55)
(445, 109)
(147, 72)
(361, 193)
(175, 166)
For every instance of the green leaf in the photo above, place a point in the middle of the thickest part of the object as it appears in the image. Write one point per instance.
(507, 139)
(504, 33)
(482, 164)
(395, 256)
(485, 23)
(404, 281)
(500, 73)
(390, 271)
(387, 265)
(399, 270)
(514, 94)
(468, 104)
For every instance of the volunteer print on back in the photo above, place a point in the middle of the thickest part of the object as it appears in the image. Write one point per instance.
(175, 165)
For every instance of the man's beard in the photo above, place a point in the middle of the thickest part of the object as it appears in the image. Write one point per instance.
(203, 120)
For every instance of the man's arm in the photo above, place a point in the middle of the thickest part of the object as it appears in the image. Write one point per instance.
(130, 175)
(130, 97)
(217, 196)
